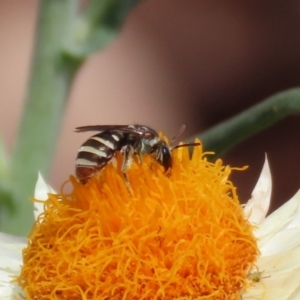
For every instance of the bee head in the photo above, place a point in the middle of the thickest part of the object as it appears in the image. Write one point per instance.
(162, 154)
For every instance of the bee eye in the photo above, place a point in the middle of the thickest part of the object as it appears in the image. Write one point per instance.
(166, 158)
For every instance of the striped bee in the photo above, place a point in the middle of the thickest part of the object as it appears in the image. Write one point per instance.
(99, 149)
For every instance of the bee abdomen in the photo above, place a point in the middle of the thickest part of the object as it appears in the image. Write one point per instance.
(96, 152)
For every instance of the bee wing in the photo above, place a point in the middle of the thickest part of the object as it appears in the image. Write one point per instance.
(139, 131)
(100, 128)
(132, 129)
(180, 132)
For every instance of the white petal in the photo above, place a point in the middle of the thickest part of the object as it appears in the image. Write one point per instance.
(295, 294)
(42, 189)
(279, 242)
(279, 219)
(279, 286)
(257, 292)
(10, 239)
(10, 262)
(11, 250)
(280, 262)
(279, 278)
(295, 220)
(257, 207)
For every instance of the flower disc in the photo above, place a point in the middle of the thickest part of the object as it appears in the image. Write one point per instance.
(176, 236)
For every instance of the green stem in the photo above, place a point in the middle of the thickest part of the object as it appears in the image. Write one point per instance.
(98, 24)
(225, 135)
(51, 77)
(65, 37)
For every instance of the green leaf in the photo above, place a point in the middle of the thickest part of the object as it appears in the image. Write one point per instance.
(4, 162)
(98, 26)
(98, 39)
(116, 11)
(6, 200)
(7, 206)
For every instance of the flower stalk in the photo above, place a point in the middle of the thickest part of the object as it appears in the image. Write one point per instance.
(49, 85)
(229, 133)
(66, 35)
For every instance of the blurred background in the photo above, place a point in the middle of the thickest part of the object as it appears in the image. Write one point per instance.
(175, 62)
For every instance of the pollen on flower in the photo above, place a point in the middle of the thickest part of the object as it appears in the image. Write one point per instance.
(182, 236)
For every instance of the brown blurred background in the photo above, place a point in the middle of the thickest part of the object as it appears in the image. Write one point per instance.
(193, 62)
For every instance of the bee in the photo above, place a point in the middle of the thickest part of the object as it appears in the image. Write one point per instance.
(95, 153)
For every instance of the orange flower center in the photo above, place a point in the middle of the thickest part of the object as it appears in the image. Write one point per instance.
(182, 236)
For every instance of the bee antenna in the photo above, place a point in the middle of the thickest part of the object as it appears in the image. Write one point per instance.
(180, 132)
(186, 145)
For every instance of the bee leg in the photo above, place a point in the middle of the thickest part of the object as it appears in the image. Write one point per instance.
(127, 152)
(154, 157)
(139, 157)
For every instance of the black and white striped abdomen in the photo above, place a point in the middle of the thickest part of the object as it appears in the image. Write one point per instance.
(96, 152)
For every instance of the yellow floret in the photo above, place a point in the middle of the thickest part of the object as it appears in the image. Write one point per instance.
(181, 236)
